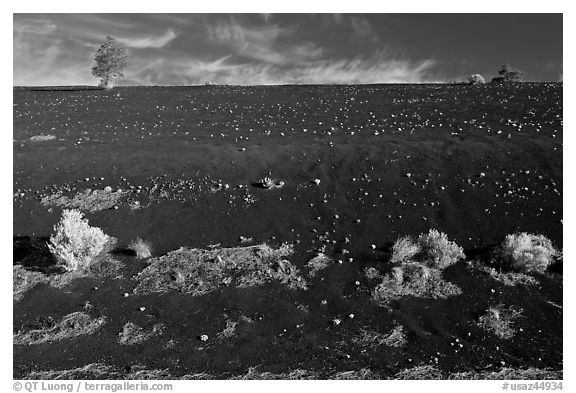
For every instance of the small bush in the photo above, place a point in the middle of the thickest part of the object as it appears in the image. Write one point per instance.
(413, 279)
(403, 250)
(132, 334)
(438, 250)
(476, 79)
(142, 248)
(499, 320)
(76, 244)
(270, 184)
(319, 262)
(525, 252)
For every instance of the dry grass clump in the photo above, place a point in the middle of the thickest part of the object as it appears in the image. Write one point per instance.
(197, 272)
(42, 138)
(506, 278)
(404, 250)
(298, 374)
(132, 334)
(372, 273)
(396, 338)
(76, 244)
(142, 248)
(413, 279)
(319, 262)
(369, 338)
(527, 253)
(24, 280)
(91, 201)
(229, 331)
(508, 373)
(70, 326)
(499, 320)
(420, 372)
(90, 371)
(362, 374)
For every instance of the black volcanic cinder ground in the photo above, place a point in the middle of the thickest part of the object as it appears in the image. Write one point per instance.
(477, 163)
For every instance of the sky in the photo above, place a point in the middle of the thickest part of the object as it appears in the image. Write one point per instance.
(250, 49)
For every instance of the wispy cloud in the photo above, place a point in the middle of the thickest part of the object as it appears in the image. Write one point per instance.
(159, 41)
(363, 28)
(35, 26)
(253, 42)
(245, 50)
(267, 17)
(375, 69)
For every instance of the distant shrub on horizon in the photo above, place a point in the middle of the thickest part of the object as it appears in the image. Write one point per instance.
(508, 74)
(476, 79)
(526, 252)
(75, 243)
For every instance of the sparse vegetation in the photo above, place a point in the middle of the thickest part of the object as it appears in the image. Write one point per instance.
(499, 320)
(508, 373)
(396, 338)
(369, 338)
(372, 273)
(506, 278)
(419, 373)
(89, 200)
(70, 326)
(319, 262)
(229, 331)
(404, 250)
(142, 248)
(24, 280)
(76, 244)
(107, 372)
(132, 334)
(197, 272)
(362, 374)
(527, 253)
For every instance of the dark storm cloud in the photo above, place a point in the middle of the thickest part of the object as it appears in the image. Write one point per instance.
(287, 48)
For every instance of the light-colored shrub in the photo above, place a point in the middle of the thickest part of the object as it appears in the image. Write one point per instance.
(527, 253)
(403, 250)
(75, 243)
(499, 320)
(439, 252)
(142, 248)
(413, 279)
(476, 79)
